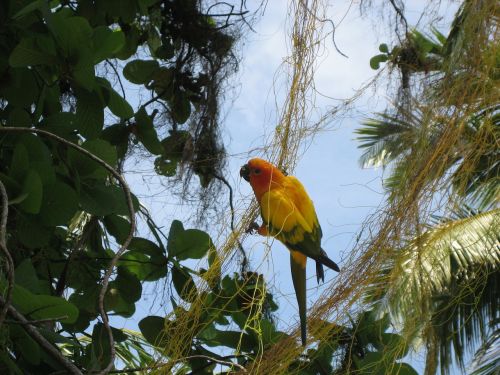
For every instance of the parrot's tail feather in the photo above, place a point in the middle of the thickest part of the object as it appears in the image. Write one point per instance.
(323, 258)
(320, 273)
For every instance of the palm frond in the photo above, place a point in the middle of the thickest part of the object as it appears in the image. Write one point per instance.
(487, 359)
(446, 279)
(385, 138)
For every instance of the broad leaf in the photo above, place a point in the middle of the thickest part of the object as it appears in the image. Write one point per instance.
(140, 71)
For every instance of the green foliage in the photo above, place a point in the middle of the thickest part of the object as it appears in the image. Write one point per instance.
(419, 53)
(60, 69)
(439, 144)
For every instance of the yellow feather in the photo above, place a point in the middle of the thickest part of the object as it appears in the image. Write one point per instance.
(289, 211)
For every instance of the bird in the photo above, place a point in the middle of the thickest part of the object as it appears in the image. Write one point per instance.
(288, 214)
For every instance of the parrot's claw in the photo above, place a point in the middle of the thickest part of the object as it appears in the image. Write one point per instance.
(253, 227)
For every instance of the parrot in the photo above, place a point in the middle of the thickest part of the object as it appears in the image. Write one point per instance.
(288, 214)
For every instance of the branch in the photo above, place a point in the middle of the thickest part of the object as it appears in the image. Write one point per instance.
(244, 262)
(216, 360)
(9, 264)
(399, 12)
(118, 77)
(37, 336)
(125, 244)
(323, 21)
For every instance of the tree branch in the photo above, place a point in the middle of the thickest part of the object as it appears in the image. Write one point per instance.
(125, 244)
(244, 262)
(9, 263)
(37, 336)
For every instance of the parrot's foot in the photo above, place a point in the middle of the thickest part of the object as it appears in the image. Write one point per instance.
(253, 227)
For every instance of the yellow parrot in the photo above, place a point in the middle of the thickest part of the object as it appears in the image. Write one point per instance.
(288, 214)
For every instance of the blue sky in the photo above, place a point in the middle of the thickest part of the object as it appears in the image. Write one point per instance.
(343, 193)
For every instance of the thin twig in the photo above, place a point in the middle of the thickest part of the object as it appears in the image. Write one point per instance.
(399, 12)
(125, 244)
(328, 20)
(37, 336)
(118, 77)
(244, 262)
(9, 263)
(216, 360)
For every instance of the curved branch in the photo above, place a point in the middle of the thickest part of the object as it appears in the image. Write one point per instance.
(125, 244)
(327, 20)
(118, 77)
(244, 262)
(9, 265)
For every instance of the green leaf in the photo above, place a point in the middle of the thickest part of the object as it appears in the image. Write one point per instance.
(395, 344)
(233, 339)
(88, 168)
(165, 167)
(187, 244)
(132, 39)
(376, 60)
(19, 117)
(383, 48)
(35, 306)
(145, 259)
(146, 132)
(152, 328)
(100, 343)
(84, 71)
(89, 113)
(145, 246)
(128, 285)
(73, 34)
(107, 43)
(8, 364)
(102, 200)
(372, 364)
(59, 205)
(181, 108)
(140, 71)
(32, 233)
(119, 106)
(118, 227)
(25, 276)
(32, 6)
(23, 88)
(145, 4)
(19, 164)
(163, 80)
(33, 189)
(39, 156)
(29, 349)
(86, 299)
(61, 123)
(27, 53)
(184, 284)
(403, 369)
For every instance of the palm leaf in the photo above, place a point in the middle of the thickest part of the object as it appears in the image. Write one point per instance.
(487, 359)
(386, 137)
(445, 279)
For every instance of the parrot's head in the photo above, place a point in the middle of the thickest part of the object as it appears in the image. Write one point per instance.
(261, 174)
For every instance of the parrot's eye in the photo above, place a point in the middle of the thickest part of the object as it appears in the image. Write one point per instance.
(257, 171)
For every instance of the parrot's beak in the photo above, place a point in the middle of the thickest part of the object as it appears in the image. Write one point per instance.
(245, 172)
